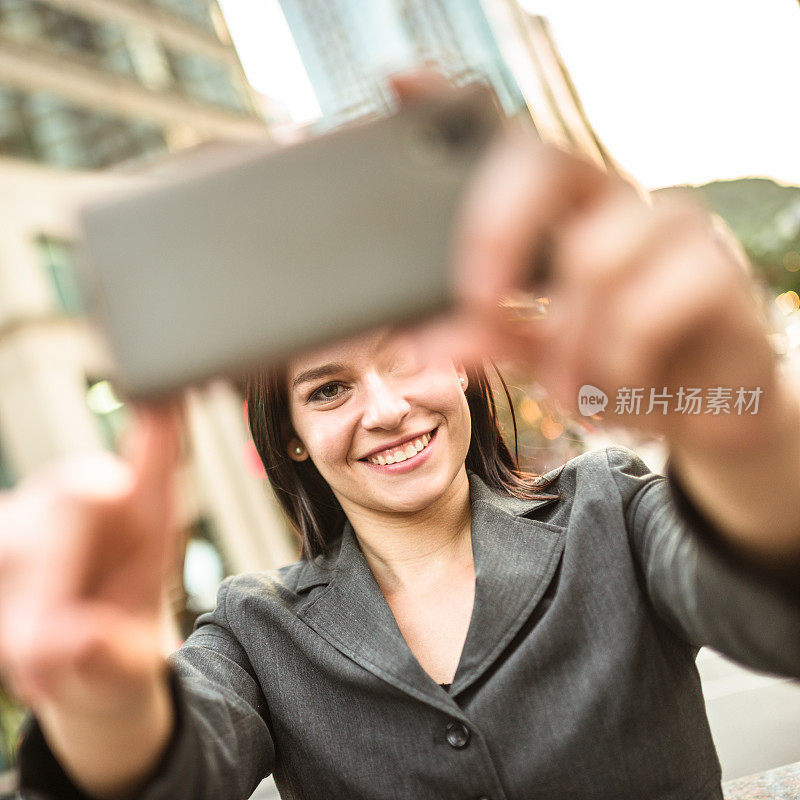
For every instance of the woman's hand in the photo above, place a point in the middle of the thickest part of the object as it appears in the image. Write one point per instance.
(85, 548)
(640, 296)
(647, 300)
(649, 312)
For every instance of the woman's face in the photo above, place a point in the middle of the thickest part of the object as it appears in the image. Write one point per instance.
(387, 427)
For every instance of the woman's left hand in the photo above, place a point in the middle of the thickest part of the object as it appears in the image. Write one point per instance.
(642, 300)
(650, 309)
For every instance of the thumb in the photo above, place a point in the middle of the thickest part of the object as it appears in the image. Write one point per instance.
(420, 83)
(96, 648)
(151, 504)
(155, 450)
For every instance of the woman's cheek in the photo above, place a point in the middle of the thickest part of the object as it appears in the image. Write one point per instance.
(439, 389)
(331, 441)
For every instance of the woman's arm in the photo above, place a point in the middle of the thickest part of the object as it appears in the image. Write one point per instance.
(705, 596)
(86, 549)
(86, 546)
(110, 756)
(642, 296)
(220, 746)
(750, 488)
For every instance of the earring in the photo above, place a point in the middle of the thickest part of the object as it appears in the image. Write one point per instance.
(296, 451)
(463, 382)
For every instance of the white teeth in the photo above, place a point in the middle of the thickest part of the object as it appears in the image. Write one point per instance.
(396, 456)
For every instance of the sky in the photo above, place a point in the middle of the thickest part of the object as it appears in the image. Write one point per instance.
(684, 91)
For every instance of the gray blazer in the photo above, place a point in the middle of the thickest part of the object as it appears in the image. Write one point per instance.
(577, 679)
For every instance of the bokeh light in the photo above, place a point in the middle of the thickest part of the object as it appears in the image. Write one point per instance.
(788, 302)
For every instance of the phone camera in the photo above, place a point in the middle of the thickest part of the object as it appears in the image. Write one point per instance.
(457, 131)
(437, 141)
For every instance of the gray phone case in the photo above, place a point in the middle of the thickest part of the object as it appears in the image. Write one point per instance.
(236, 266)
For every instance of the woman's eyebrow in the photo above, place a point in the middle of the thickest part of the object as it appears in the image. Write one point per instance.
(315, 373)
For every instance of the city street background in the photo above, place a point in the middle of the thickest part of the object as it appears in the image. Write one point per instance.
(97, 96)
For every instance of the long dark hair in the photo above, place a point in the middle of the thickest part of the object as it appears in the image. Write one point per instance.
(307, 498)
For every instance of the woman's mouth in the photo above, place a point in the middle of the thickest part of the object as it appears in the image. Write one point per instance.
(414, 450)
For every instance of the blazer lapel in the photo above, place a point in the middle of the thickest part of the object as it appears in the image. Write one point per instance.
(353, 615)
(515, 560)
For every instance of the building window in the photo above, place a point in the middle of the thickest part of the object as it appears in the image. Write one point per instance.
(195, 12)
(207, 81)
(15, 136)
(58, 259)
(12, 717)
(45, 127)
(31, 22)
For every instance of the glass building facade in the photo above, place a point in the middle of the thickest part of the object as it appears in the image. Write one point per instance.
(348, 48)
(49, 129)
(62, 130)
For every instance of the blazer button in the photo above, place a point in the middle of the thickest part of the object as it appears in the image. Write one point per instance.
(457, 735)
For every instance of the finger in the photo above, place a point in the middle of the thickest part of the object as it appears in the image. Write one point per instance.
(419, 83)
(453, 337)
(518, 196)
(623, 268)
(85, 651)
(151, 516)
(602, 255)
(155, 449)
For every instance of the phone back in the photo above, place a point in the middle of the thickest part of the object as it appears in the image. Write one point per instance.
(234, 267)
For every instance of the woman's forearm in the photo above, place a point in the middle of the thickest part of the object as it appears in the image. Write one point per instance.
(111, 755)
(750, 487)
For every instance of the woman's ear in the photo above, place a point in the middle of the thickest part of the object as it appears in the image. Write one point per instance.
(462, 376)
(296, 450)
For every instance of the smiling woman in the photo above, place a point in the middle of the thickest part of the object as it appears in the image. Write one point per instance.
(323, 423)
(451, 631)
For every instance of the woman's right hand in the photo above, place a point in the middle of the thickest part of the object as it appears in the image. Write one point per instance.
(85, 548)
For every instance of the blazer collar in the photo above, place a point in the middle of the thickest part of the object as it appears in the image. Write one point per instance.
(515, 559)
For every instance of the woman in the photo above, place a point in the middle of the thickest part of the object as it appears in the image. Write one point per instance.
(455, 630)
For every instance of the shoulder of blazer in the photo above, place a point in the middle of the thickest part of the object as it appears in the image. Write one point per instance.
(559, 484)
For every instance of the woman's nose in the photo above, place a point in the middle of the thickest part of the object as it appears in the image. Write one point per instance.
(385, 407)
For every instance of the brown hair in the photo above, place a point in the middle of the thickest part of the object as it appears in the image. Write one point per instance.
(309, 501)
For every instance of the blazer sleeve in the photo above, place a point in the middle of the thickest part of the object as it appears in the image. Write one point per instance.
(707, 596)
(221, 746)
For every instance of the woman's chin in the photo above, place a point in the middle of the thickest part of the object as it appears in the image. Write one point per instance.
(414, 495)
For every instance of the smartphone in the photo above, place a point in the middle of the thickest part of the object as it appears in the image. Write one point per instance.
(237, 265)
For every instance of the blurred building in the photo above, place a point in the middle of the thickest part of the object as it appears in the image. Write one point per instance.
(94, 97)
(89, 83)
(349, 47)
(551, 100)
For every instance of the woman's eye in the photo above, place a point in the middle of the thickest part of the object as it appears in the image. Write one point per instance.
(328, 392)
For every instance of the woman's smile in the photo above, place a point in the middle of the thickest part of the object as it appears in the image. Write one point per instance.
(404, 456)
